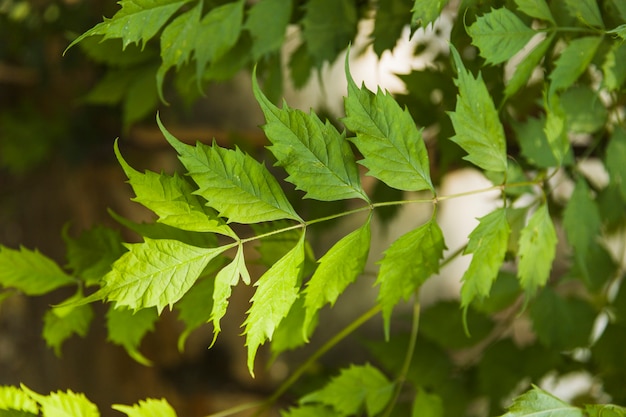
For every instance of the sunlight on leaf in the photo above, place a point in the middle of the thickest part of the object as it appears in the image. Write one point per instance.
(13, 398)
(63, 404)
(149, 407)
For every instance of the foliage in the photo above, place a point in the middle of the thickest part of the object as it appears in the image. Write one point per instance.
(529, 127)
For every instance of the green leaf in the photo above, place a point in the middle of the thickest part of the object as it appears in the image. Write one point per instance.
(525, 68)
(172, 199)
(63, 404)
(615, 157)
(504, 291)
(338, 268)
(155, 273)
(392, 146)
(426, 12)
(561, 323)
(277, 291)
(407, 264)
(355, 388)
(427, 405)
(112, 53)
(293, 331)
(316, 156)
(443, 324)
(537, 249)
(555, 128)
(149, 407)
(584, 110)
(326, 34)
(13, 398)
(586, 11)
(487, 243)
(315, 410)
(59, 323)
(619, 31)
(614, 73)
(605, 410)
(534, 142)
(539, 403)
(267, 23)
(225, 279)
(136, 21)
(476, 123)
(127, 328)
(238, 186)
(499, 35)
(391, 18)
(538, 9)
(92, 253)
(572, 62)
(195, 308)
(581, 218)
(30, 272)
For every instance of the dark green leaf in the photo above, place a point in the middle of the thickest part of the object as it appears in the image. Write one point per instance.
(293, 331)
(195, 308)
(534, 143)
(615, 157)
(581, 218)
(427, 405)
(267, 22)
(504, 292)
(539, 403)
(61, 323)
(555, 128)
(126, 329)
(586, 11)
(443, 324)
(391, 18)
(572, 62)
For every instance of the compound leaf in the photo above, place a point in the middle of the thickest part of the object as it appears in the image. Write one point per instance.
(267, 22)
(426, 12)
(538, 9)
(238, 186)
(407, 264)
(354, 388)
(30, 272)
(63, 404)
(392, 146)
(126, 328)
(537, 248)
(476, 123)
(586, 11)
(338, 268)
(277, 291)
(487, 243)
(14, 398)
(539, 403)
(572, 62)
(499, 35)
(317, 157)
(62, 322)
(149, 407)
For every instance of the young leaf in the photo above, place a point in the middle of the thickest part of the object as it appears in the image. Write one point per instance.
(136, 21)
(615, 157)
(581, 218)
(499, 35)
(426, 12)
(572, 62)
(63, 404)
(316, 156)
(172, 199)
(13, 398)
(538, 402)
(224, 280)
(586, 11)
(476, 123)
(277, 290)
(386, 135)
(155, 273)
(149, 407)
(338, 268)
(267, 22)
(355, 388)
(427, 405)
(30, 272)
(487, 243)
(59, 323)
(524, 69)
(407, 264)
(126, 329)
(537, 248)
(237, 185)
(538, 9)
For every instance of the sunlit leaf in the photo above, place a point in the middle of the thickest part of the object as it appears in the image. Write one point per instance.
(615, 157)
(14, 398)
(539, 403)
(584, 110)
(150, 407)
(127, 328)
(614, 73)
(63, 404)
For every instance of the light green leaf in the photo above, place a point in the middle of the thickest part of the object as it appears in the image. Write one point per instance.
(13, 398)
(149, 407)
(476, 123)
(499, 35)
(136, 21)
(538, 9)
(224, 281)
(267, 22)
(91, 254)
(555, 128)
(59, 323)
(619, 31)
(63, 404)
(581, 218)
(407, 264)
(155, 273)
(426, 12)
(317, 157)
(615, 157)
(572, 62)
(427, 405)
(338, 268)
(315, 410)
(126, 328)
(525, 68)
(355, 388)
(277, 291)
(539, 403)
(238, 186)
(487, 243)
(605, 410)
(172, 199)
(613, 70)
(537, 248)
(584, 110)
(30, 272)
(386, 135)
(586, 11)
